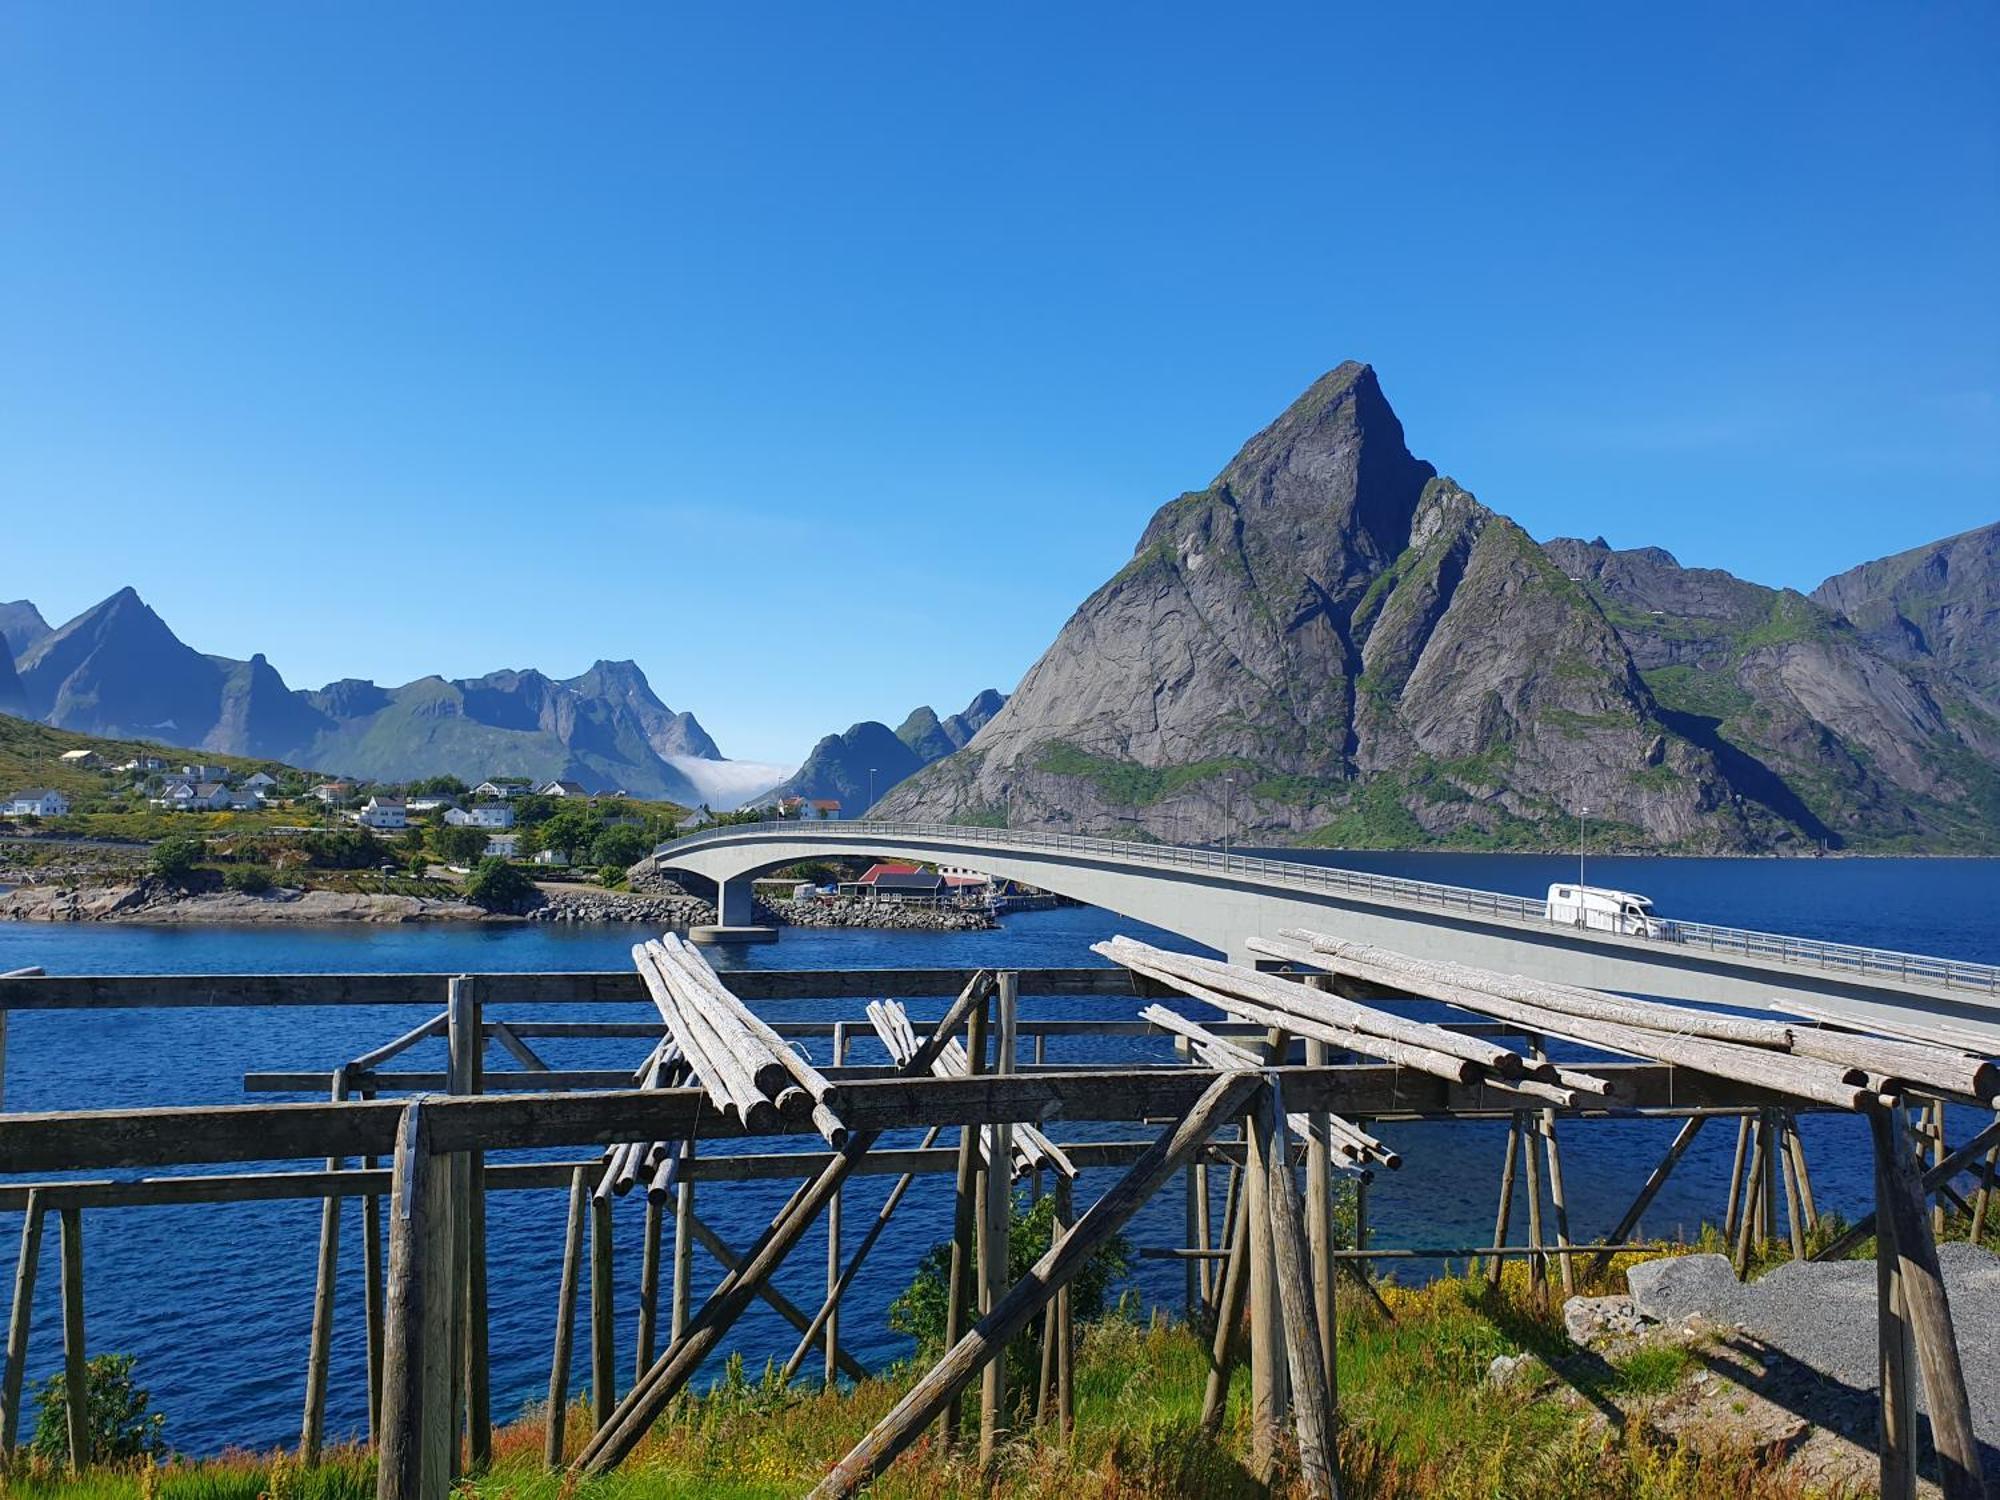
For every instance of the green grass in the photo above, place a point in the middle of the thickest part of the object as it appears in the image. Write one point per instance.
(1418, 1422)
(1126, 783)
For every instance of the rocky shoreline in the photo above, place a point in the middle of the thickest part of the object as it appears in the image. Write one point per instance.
(148, 899)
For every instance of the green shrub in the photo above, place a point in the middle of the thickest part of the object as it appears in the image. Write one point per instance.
(174, 859)
(251, 879)
(497, 885)
(620, 848)
(344, 849)
(120, 1427)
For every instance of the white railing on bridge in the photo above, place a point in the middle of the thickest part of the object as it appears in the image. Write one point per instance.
(1849, 958)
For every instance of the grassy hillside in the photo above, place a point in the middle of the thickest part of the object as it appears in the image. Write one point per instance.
(30, 756)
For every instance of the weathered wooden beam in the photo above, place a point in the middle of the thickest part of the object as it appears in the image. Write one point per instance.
(319, 1353)
(558, 1410)
(1311, 1386)
(959, 1291)
(85, 1141)
(1922, 1287)
(603, 1324)
(76, 1377)
(205, 991)
(20, 1321)
(1223, 1096)
(1954, 1163)
(415, 1451)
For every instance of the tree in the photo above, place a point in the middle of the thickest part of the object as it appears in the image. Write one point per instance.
(438, 786)
(497, 885)
(119, 1426)
(458, 845)
(569, 832)
(174, 858)
(250, 879)
(619, 848)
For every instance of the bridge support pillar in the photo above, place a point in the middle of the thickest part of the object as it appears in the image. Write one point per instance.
(735, 917)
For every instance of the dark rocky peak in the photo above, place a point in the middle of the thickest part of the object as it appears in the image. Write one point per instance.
(1650, 580)
(925, 735)
(975, 716)
(21, 625)
(350, 698)
(1939, 602)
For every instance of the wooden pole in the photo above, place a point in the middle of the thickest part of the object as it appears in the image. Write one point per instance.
(579, 1201)
(649, 1286)
(1319, 1216)
(417, 1437)
(1981, 1203)
(1558, 1198)
(1267, 1328)
(1065, 1321)
(461, 1031)
(76, 1370)
(1312, 1392)
(1502, 1219)
(372, 1293)
(1647, 1193)
(603, 1348)
(478, 1326)
(683, 1242)
(1796, 1147)
(998, 1184)
(1228, 1327)
(320, 1350)
(1538, 1265)
(830, 1367)
(1767, 1198)
(1935, 1116)
(1735, 1204)
(1794, 1209)
(1746, 1225)
(1929, 1313)
(926, 1400)
(965, 1218)
(1896, 1351)
(20, 1321)
(1204, 1238)
(730, 1261)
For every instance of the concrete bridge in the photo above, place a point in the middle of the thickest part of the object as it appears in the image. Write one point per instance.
(1222, 899)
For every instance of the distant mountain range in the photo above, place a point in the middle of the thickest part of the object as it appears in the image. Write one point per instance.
(844, 767)
(117, 670)
(1332, 643)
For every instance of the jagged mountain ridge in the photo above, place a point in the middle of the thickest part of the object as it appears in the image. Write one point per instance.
(1332, 643)
(843, 767)
(118, 670)
(1938, 605)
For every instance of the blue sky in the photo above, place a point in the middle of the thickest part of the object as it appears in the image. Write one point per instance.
(822, 358)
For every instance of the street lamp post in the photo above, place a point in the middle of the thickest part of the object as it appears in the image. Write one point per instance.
(871, 791)
(1581, 814)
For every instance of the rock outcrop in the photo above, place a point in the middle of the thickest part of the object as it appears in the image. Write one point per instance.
(1333, 642)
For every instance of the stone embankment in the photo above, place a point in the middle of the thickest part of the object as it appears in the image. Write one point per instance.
(889, 915)
(668, 906)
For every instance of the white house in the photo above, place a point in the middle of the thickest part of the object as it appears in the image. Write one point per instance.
(562, 789)
(244, 799)
(480, 815)
(503, 788)
(551, 857)
(383, 812)
(145, 765)
(260, 781)
(503, 845)
(334, 791)
(207, 773)
(698, 817)
(431, 802)
(37, 802)
(78, 758)
(193, 796)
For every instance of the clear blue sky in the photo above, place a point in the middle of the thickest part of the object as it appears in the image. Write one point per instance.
(822, 358)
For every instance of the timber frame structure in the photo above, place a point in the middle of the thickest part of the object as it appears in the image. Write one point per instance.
(1276, 1079)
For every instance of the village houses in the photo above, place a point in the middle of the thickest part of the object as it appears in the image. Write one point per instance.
(37, 802)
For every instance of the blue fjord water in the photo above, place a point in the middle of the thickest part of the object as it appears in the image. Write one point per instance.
(216, 1301)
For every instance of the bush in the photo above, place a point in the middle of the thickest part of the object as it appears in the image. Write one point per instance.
(459, 845)
(174, 859)
(620, 847)
(120, 1426)
(920, 1311)
(345, 849)
(497, 885)
(251, 879)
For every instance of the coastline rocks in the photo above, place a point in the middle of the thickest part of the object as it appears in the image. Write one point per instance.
(887, 915)
(668, 907)
(152, 901)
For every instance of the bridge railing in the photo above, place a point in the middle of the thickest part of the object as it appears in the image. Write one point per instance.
(1769, 947)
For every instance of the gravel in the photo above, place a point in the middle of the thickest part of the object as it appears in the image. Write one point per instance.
(1823, 1315)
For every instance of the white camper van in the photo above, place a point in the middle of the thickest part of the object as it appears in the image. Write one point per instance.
(1605, 910)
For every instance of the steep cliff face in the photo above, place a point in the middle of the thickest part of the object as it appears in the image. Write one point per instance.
(21, 625)
(1333, 644)
(1938, 605)
(13, 697)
